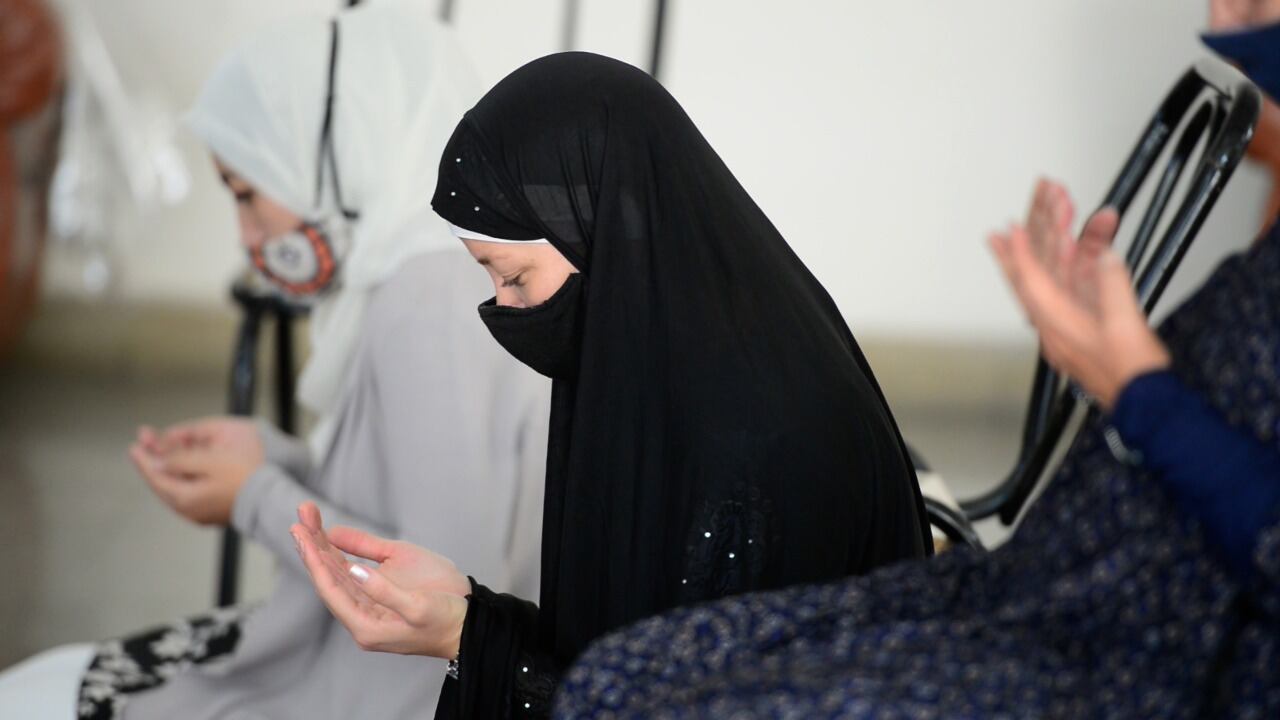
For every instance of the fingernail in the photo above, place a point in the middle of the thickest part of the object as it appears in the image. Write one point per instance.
(297, 544)
(359, 573)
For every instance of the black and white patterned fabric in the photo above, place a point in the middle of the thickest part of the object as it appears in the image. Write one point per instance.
(147, 660)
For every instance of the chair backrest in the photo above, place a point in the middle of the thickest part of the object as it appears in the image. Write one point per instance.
(1220, 107)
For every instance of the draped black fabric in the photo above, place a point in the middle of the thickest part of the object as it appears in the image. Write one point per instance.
(722, 431)
(1110, 600)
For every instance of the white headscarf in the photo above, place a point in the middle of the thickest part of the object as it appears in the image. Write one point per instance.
(402, 85)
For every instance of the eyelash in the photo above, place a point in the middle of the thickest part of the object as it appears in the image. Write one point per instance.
(244, 198)
(513, 281)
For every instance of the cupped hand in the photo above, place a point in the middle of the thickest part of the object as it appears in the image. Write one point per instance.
(412, 603)
(1078, 295)
(224, 432)
(197, 468)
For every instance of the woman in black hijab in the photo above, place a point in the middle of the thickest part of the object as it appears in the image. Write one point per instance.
(715, 427)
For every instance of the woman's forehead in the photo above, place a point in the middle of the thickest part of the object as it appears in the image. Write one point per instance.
(497, 253)
(487, 253)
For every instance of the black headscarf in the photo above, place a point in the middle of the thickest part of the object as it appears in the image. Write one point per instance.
(722, 431)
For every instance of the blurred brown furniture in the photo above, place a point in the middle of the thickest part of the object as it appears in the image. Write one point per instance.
(31, 73)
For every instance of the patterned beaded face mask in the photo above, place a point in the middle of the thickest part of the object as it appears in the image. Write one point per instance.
(306, 262)
(303, 263)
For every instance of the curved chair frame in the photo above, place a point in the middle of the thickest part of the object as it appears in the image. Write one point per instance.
(1215, 107)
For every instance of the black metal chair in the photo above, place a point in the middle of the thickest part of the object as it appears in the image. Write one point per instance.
(1216, 108)
(257, 303)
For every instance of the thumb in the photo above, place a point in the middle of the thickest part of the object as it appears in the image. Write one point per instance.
(1100, 231)
(1116, 297)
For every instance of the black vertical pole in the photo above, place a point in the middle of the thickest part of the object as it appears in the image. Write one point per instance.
(240, 401)
(659, 27)
(284, 369)
(229, 568)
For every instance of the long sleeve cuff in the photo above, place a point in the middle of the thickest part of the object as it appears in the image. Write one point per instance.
(1144, 407)
(284, 450)
(267, 506)
(265, 509)
(501, 674)
(1221, 475)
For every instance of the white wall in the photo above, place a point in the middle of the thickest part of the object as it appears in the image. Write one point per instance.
(884, 139)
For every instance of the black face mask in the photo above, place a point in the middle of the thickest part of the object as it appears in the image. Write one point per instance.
(545, 337)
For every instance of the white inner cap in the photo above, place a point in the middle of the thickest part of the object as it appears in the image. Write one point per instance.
(464, 234)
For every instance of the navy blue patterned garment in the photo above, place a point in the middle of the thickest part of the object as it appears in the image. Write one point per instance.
(1106, 603)
(1223, 476)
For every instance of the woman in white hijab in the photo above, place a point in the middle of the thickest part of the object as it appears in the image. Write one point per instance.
(328, 133)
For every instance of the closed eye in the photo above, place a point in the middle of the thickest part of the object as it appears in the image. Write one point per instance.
(513, 281)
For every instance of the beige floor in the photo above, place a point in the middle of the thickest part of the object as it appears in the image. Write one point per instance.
(90, 554)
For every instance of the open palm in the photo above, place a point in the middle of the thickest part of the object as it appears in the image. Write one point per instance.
(1078, 295)
(1074, 265)
(412, 603)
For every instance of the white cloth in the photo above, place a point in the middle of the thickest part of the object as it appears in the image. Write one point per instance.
(401, 86)
(464, 234)
(45, 686)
